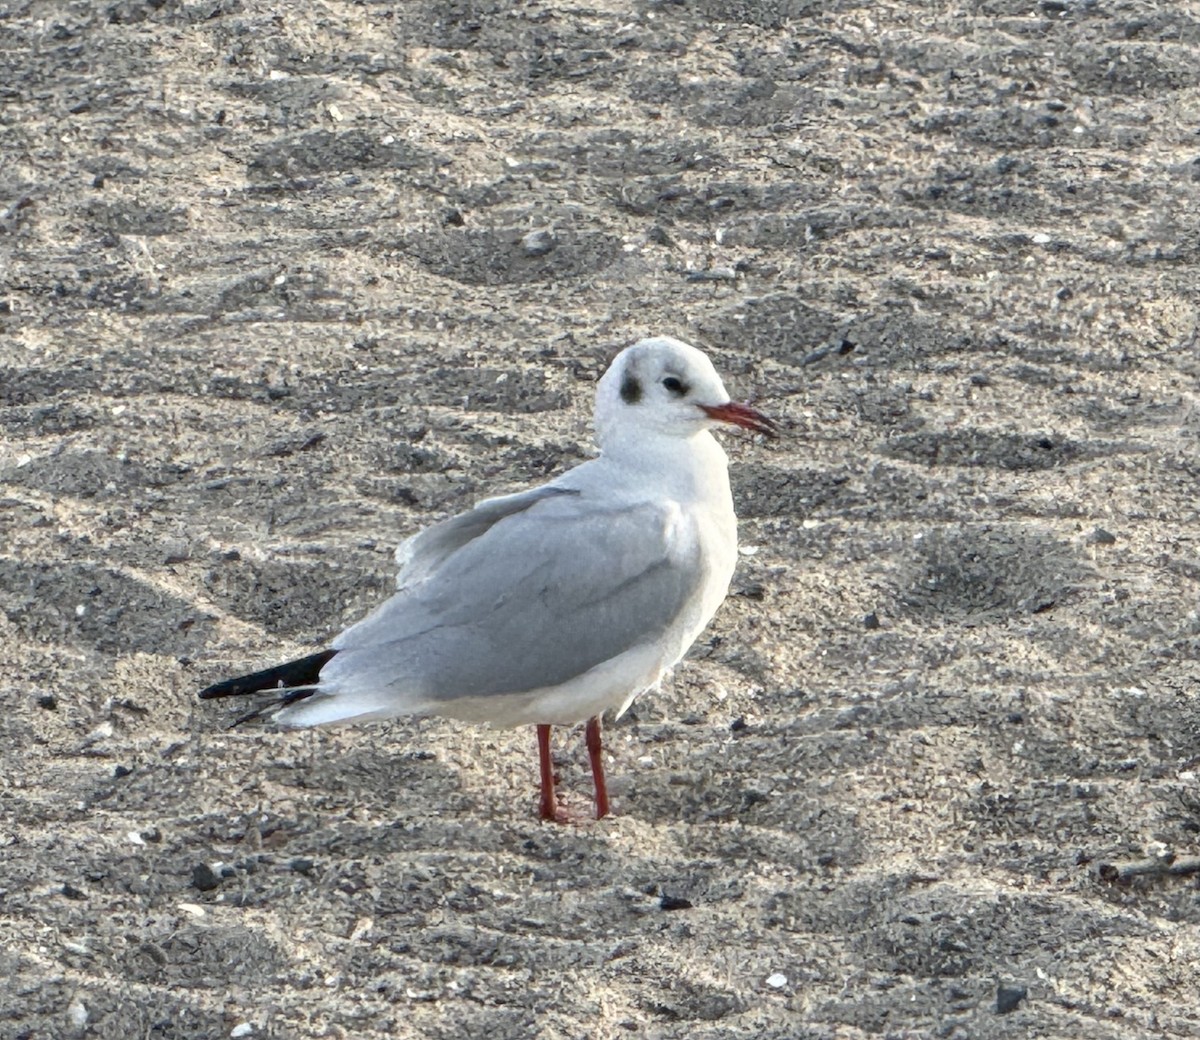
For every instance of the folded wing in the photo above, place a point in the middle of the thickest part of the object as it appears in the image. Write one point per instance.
(529, 593)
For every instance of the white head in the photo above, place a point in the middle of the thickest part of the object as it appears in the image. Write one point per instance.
(665, 387)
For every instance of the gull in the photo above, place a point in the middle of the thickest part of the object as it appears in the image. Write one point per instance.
(550, 606)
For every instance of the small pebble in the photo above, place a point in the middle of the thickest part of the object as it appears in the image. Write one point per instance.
(1099, 536)
(77, 1013)
(101, 732)
(1008, 997)
(713, 274)
(204, 878)
(814, 356)
(538, 243)
(241, 1029)
(777, 981)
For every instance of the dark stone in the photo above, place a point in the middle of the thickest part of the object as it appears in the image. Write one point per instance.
(1008, 998)
(204, 878)
(667, 902)
(538, 243)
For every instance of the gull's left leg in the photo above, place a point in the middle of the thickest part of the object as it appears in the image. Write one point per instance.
(594, 753)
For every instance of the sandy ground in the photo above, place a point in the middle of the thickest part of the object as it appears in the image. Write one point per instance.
(268, 306)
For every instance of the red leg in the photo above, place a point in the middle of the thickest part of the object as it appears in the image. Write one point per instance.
(594, 753)
(548, 807)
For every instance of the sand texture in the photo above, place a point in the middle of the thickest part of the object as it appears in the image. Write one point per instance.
(282, 283)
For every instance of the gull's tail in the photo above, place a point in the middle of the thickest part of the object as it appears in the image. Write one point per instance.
(291, 682)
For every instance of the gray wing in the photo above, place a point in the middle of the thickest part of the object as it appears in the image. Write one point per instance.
(423, 553)
(538, 596)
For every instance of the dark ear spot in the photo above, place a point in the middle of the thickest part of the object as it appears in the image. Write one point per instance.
(631, 389)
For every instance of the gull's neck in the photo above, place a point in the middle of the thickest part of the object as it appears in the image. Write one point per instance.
(689, 468)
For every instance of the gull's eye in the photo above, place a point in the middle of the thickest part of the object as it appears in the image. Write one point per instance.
(676, 385)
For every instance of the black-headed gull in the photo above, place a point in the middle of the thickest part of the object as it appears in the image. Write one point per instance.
(550, 606)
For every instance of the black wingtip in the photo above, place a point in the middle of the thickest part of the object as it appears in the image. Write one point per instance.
(304, 672)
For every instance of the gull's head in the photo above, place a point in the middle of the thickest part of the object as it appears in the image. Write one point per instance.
(667, 387)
